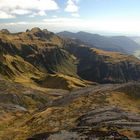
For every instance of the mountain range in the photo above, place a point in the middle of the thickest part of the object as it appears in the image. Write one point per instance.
(109, 43)
(68, 86)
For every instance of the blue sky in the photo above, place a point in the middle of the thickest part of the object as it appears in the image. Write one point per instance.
(96, 16)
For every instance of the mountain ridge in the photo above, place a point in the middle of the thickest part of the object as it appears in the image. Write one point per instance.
(42, 50)
(63, 89)
(49, 55)
(117, 43)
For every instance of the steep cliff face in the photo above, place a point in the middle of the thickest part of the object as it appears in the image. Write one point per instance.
(40, 48)
(104, 67)
(35, 60)
(12, 67)
(35, 54)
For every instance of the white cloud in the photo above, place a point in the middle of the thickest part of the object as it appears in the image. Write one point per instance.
(75, 14)
(20, 12)
(21, 7)
(32, 15)
(63, 21)
(4, 15)
(72, 6)
(40, 13)
(123, 26)
(29, 4)
(18, 23)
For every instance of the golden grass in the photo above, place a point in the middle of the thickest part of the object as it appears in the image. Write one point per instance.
(115, 57)
(124, 101)
(28, 38)
(60, 81)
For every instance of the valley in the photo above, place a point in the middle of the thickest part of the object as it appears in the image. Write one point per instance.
(57, 88)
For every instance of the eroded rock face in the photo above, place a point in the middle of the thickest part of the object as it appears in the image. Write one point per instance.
(17, 96)
(41, 48)
(110, 117)
(37, 59)
(5, 31)
(102, 66)
(106, 123)
(94, 116)
(36, 54)
(51, 54)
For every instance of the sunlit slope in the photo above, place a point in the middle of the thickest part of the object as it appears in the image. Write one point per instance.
(96, 111)
(29, 56)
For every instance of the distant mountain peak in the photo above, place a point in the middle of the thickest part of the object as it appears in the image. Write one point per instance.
(122, 44)
(5, 31)
(45, 30)
(36, 29)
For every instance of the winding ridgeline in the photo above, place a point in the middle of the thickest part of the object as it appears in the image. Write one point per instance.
(55, 88)
(41, 57)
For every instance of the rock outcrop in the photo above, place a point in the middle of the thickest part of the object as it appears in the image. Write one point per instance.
(89, 114)
(102, 66)
(36, 54)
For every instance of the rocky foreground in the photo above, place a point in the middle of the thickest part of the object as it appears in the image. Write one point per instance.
(98, 118)
(101, 123)
(42, 58)
(56, 89)
(109, 111)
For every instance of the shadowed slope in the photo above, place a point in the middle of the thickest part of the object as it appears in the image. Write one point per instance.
(103, 66)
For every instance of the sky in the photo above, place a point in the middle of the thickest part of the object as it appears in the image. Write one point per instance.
(95, 16)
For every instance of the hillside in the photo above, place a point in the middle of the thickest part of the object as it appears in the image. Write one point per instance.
(137, 40)
(39, 57)
(29, 56)
(61, 89)
(117, 43)
(104, 66)
(127, 43)
(93, 112)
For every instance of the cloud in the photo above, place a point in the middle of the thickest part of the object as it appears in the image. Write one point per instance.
(4, 15)
(62, 21)
(122, 26)
(17, 23)
(75, 14)
(21, 7)
(20, 12)
(40, 13)
(29, 4)
(72, 6)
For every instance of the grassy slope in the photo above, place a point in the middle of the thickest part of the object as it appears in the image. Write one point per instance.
(18, 124)
(63, 115)
(104, 66)
(115, 57)
(35, 54)
(60, 81)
